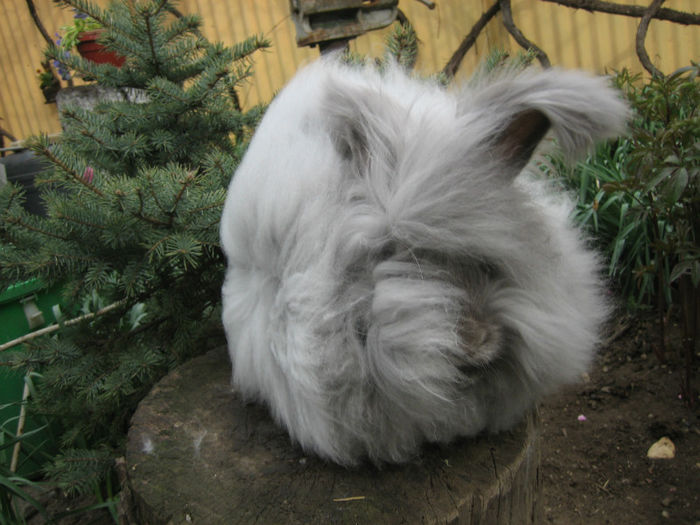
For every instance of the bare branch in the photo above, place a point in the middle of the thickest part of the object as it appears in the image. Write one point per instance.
(5, 133)
(641, 36)
(427, 3)
(456, 59)
(45, 34)
(37, 22)
(518, 35)
(634, 11)
(54, 327)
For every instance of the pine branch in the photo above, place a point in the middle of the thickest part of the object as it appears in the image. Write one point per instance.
(62, 216)
(151, 44)
(402, 44)
(160, 7)
(140, 215)
(19, 222)
(86, 7)
(185, 184)
(44, 150)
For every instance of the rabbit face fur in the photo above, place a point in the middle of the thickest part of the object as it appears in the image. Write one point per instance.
(395, 275)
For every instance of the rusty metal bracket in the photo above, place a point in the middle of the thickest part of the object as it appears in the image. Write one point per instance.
(323, 21)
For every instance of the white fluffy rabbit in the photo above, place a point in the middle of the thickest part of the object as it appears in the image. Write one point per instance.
(395, 275)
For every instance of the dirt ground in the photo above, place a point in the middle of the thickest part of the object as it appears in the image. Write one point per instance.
(596, 471)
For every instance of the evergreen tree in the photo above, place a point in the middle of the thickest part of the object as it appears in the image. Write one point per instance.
(133, 194)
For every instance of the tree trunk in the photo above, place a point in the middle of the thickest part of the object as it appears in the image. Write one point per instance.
(197, 454)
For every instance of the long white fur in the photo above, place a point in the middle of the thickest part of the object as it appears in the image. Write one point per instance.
(394, 277)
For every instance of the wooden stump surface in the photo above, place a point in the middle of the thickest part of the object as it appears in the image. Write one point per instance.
(197, 454)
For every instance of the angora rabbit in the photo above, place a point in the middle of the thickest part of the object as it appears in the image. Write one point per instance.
(394, 275)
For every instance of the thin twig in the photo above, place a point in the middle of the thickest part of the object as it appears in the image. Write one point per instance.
(185, 184)
(642, 35)
(518, 35)
(5, 133)
(635, 11)
(20, 427)
(52, 328)
(427, 3)
(456, 59)
(37, 22)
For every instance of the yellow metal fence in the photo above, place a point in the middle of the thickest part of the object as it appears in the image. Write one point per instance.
(572, 38)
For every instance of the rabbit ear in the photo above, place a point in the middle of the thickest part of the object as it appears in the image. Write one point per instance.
(518, 141)
(361, 124)
(520, 107)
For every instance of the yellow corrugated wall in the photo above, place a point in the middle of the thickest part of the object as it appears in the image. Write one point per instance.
(572, 38)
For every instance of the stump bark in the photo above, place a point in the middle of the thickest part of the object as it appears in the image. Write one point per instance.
(197, 454)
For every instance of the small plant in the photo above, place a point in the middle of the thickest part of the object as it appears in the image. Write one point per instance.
(46, 78)
(48, 83)
(71, 33)
(68, 39)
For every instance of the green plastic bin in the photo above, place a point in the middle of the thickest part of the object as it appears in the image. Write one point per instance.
(24, 307)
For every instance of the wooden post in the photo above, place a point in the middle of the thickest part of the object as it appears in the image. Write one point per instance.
(197, 454)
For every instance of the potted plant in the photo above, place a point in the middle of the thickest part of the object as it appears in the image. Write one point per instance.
(83, 34)
(90, 49)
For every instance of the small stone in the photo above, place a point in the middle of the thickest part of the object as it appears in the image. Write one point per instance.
(605, 369)
(665, 514)
(643, 357)
(662, 449)
(666, 502)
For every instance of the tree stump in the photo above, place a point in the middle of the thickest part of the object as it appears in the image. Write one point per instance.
(197, 454)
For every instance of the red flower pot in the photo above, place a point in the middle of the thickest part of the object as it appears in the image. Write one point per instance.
(90, 49)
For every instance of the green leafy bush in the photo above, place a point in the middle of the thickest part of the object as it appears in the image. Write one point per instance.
(639, 195)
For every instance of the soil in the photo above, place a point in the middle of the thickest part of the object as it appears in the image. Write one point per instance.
(596, 470)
